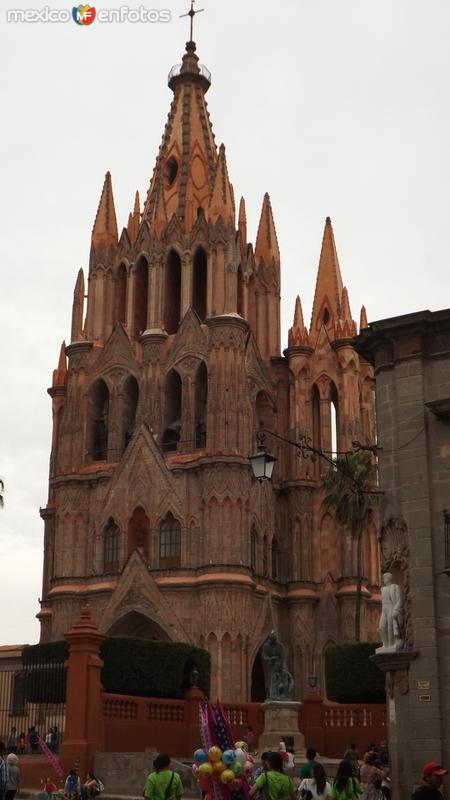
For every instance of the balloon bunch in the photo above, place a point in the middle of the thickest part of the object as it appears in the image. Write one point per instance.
(231, 767)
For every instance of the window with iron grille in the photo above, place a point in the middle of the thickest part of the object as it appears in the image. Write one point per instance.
(170, 542)
(111, 546)
(19, 693)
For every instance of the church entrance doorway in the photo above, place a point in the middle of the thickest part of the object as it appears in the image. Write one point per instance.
(258, 686)
(138, 625)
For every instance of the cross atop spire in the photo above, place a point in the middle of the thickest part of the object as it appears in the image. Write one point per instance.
(191, 13)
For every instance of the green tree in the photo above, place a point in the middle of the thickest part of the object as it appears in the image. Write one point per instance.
(351, 495)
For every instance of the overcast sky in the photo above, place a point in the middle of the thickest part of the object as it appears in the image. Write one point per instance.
(335, 107)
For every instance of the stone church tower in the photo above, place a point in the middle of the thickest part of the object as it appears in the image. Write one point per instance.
(153, 516)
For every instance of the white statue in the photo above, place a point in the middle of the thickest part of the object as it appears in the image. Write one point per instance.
(391, 621)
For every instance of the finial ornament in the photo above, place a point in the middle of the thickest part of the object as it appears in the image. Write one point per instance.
(191, 13)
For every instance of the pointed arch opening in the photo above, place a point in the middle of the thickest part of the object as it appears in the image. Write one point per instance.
(200, 283)
(240, 292)
(111, 546)
(129, 408)
(138, 625)
(316, 421)
(97, 421)
(172, 292)
(253, 548)
(201, 403)
(276, 560)
(120, 295)
(334, 421)
(169, 542)
(139, 532)
(258, 680)
(251, 304)
(140, 297)
(172, 411)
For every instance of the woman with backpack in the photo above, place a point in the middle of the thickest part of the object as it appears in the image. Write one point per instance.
(163, 783)
(274, 784)
(315, 788)
(345, 785)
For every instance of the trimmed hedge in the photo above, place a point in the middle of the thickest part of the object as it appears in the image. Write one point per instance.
(132, 666)
(351, 677)
(151, 668)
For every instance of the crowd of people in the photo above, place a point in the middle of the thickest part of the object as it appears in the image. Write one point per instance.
(21, 743)
(273, 779)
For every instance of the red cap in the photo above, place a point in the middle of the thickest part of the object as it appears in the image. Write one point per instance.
(433, 768)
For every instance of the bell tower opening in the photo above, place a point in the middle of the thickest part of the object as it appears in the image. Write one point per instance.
(199, 283)
(172, 292)
(140, 297)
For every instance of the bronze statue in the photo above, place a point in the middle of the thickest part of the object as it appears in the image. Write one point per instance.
(279, 681)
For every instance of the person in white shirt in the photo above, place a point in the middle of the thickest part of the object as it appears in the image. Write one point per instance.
(315, 788)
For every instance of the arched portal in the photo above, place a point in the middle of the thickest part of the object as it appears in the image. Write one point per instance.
(258, 686)
(136, 624)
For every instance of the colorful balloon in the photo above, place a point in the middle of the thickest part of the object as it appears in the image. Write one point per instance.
(229, 757)
(248, 766)
(226, 776)
(236, 783)
(241, 755)
(237, 767)
(205, 769)
(214, 753)
(241, 746)
(218, 766)
(204, 784)
(200, 756)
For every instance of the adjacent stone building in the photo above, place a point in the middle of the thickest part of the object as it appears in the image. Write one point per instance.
(411, 355)
(153, 517)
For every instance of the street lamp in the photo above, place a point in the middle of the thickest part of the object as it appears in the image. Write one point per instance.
(262, 463)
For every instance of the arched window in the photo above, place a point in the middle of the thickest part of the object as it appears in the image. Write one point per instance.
(130, 401)
(199, 283)
(172, 292)
(253, 548)
(316, 422)
(240, 292)
(172, 411)
(97, 421)
(120, 295)
(139, 532)
(111, 546)
(251, 304)
(201, 402)
(140, 297)
(276, 560)
(170, 542)
(334, 422)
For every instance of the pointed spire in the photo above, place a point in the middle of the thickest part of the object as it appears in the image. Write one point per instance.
(363, 319)
(221, 203)
(298, 334)
(242, 224)
(104, 233)
(78, 308)
(327, 298)
(266, 247)
(134, 220)
(60, 374)
(346, 314)
(298, 314)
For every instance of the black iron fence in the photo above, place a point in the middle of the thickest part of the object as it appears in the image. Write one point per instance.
(32, 705)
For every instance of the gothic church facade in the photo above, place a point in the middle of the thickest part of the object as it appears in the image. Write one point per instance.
(153, 516)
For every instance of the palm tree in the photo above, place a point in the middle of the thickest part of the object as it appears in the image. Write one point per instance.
(351, 494)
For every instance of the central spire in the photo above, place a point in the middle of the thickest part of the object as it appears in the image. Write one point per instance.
(185, 173)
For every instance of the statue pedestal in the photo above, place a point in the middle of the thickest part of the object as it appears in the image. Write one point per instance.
(281, 722)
